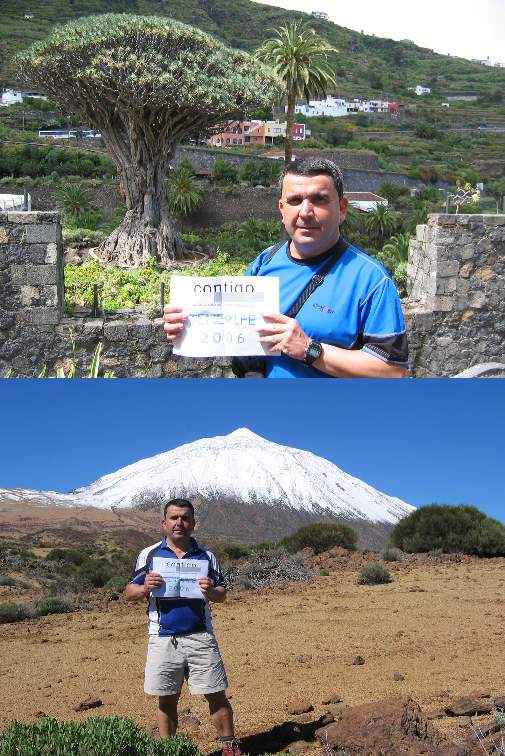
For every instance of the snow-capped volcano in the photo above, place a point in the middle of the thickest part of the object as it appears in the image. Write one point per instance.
(239, 469)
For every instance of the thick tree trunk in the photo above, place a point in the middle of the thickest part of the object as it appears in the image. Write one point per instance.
(148, 228)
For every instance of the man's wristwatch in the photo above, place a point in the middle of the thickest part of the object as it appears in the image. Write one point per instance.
(313, 351)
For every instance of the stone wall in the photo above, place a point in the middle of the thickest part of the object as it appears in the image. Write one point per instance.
(456, 304)
(35, 333)
(455, 310)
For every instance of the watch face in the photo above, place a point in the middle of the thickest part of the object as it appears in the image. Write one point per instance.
(314, 350)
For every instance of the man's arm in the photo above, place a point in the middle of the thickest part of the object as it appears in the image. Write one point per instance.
(138, 591)
(215, 593)
(285, 335)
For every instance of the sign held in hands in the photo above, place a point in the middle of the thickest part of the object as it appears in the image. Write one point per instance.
(180, 577)
(223, 313)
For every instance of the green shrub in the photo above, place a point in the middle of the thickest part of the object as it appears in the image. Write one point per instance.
(96, 571)
(224, 171)
(450, 528)
(53, 605)
(12, 582)
(116, 583)
(11, 612)
(374, 574)
(96, 736)
(74, 556)
(321, 537)
(185, 195)
(392, 555)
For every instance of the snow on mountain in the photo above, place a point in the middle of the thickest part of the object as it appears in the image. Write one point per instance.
(241, 467)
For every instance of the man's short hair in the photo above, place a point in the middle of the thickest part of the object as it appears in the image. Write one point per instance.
(314, 167)
(179, 503)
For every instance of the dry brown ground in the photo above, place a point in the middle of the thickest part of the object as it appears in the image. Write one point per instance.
(440, 624)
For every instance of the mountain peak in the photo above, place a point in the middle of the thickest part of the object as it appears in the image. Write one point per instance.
(244, 433)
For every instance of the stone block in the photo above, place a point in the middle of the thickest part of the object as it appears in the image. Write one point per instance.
(466, 269)
(160, 353)
(494, 220)
(446, 220)
(44, 315)
(42, 274)
(477, 300)
(17, 216)
(18, 274)
(467, 252)
(51, 253)
(443, 304)
(141, 330)
(29, 295)
(447, 268)
(154, 371)
(4, 236)
(116, 330)
(93, 327)
(50, 295)
(485, 274)
(38, 234)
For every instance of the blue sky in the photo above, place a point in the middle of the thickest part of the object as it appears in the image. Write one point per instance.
(422, 440)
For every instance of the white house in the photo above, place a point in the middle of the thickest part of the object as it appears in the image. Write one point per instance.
(9, 97)
(419, 90)
(14, 202)
(365, 201)
(320, 14)
(329, 107)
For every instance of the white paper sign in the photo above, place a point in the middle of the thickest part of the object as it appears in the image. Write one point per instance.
(180, 577)
(223, 313)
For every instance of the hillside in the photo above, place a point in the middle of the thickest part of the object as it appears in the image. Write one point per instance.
(433, 633)
(367, 65)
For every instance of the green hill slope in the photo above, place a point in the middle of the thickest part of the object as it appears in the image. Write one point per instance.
(366, 65)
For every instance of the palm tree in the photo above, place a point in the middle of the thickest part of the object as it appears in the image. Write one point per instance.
(299, 58)
(381, 222)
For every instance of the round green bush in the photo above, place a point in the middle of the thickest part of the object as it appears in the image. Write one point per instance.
(53, 605)
(74, 556)
(451, 529)
(116, 583)
(392, 555)
(321, 537)
(96, 571)
(374, 574)
(11, 612)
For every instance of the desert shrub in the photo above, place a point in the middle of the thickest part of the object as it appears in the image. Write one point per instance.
(12, 582)
(11, 612)
(267, 568)
(96, 736)
(53, 605)
(392, 555)
(235, 551)
(96, 571)
(74, 556)
(116, 583)
(374, 574)
(450, 528)
(321, 537)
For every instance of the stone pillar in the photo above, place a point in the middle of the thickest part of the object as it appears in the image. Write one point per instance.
(456, 304)
(31, 282)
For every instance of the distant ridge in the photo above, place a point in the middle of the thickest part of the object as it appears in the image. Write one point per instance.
(366, 65)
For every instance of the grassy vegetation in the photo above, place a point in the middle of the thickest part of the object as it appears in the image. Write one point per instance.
(96, 736)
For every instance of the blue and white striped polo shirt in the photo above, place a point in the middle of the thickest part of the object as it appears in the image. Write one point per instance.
(176, 616)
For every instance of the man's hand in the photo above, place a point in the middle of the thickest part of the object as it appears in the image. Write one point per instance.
(173, 322)
(284, 335)
(153, 580)
(137, 591)
(210, 592)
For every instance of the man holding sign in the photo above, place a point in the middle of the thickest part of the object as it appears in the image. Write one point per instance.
(180, 578)
(350, 323)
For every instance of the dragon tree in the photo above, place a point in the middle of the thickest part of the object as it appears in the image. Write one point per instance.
(144, 82)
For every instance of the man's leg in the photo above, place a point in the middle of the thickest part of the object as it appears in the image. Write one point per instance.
(221, 713)
(167, 715)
